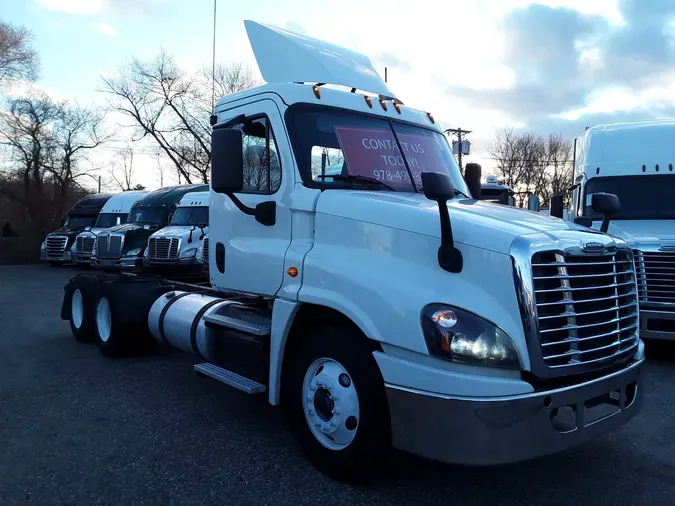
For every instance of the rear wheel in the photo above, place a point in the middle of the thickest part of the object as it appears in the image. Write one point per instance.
(335, 399)
(82, 308)
(116, 339)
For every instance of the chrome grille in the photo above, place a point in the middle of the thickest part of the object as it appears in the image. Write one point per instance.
(205, 254)
(109, 248)
(84, 245)
(655, 276)
(586, 306)
(162, 248)
(56, 245)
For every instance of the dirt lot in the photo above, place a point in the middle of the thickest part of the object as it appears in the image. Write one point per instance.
(76, 428)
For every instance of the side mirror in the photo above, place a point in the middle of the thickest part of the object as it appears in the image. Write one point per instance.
(227, 161)
(533, 203)
(557, 206)
(118, 221)
(439, 187)
(87, 229)
(606, 204)
(472, 176)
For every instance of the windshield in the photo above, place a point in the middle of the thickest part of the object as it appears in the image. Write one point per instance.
(148, 215)
(641, 197)
(336, 148)
(191, 216)
(79, 221)
(107, 220)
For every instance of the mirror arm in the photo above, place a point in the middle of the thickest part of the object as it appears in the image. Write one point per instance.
(264, 212)
(240, 205)
(605, 224)
(449, 258)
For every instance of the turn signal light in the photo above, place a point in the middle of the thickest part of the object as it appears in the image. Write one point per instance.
(292, 271)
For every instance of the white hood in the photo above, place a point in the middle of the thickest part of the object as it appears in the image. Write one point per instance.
(182, 232)
(475, 223)
(642, 231)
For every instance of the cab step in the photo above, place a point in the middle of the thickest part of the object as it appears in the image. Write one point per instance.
(230, 378)
(255, 325)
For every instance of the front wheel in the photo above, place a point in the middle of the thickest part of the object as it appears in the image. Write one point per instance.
(335, 399)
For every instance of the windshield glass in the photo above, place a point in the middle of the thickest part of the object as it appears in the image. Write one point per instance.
(191, 216)
(107, 220)
(641, 197)
(336, 148)
(147, 215)
(79, 221)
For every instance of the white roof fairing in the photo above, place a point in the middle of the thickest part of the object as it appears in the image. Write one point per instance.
(287, 57)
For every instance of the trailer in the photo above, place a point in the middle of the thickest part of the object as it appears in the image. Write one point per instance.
(381, 306)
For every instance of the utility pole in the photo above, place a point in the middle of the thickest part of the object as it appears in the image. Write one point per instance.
(458, 132)
(385, 74)
(213, 63)
(99, 184)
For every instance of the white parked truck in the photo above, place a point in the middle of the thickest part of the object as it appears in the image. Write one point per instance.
(175, 247)
(384, 307)
(635, 162)
(202, 257)
(114, 212)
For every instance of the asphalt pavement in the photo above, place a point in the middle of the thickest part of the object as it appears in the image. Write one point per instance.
(77, 428)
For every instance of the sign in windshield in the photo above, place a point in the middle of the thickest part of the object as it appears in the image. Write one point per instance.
(374, 153)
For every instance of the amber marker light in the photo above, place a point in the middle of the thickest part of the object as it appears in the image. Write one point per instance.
(292, 271)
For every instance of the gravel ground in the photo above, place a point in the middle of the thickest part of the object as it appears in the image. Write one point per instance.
(77, 428)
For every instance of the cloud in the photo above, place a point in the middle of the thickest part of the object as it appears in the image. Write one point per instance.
(292, 26)
(564, 60)
(390, 60)
(105, 29)
(89, 7)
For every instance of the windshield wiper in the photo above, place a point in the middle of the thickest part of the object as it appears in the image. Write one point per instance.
(457, 192)
(357, 179)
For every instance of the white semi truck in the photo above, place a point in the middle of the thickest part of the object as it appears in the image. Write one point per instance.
(384, 307)
(175, 247)
(635, 162)
(114, 212)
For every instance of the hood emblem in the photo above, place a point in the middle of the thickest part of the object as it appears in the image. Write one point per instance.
(592, 246)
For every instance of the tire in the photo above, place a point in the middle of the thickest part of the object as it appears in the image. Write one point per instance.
(353, 455)
(114, 338)
(82, 308)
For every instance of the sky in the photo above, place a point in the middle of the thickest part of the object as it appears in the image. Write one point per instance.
(546, 66)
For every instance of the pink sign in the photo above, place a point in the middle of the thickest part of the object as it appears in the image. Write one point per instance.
(375, 153)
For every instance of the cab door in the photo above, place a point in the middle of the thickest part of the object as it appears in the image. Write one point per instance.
(246, 255)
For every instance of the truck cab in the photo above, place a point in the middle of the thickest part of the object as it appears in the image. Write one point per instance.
(175, 246)
(56, 248)
(113, 213)
(635, 162)
(381, 305)
(494, 190)
(123, 246)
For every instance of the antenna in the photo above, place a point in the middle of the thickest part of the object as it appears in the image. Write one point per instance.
(213, 63)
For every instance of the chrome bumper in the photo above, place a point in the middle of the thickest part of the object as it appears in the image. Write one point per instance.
(81, 258)
(499, 430)
(117, 263)
(656, 324)
(63, 257)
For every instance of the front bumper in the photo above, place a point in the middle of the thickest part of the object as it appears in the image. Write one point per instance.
(499, 430)
(655, 324)
(124, 263)
(181, 265)
(63, 257)
(81, 258)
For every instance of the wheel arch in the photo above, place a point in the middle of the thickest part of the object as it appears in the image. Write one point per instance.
(289, 320)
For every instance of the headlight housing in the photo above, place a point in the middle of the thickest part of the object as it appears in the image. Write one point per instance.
(43, 246)
(189, 253)
(72, 248)
(458, 335)
(133, 252)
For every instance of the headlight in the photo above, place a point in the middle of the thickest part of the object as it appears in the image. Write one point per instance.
(146, 253)
(72, 248)
(43, 246)
(454, 334)
(133, 252)
(189, 253)
(94, 248)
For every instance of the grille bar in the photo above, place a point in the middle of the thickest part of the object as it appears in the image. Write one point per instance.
(56, 245)
(109, 246)
(163, 248)
(84, 245)
(655, 277)
(586, 306)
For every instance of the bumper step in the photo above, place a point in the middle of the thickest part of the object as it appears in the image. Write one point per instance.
(230, 378)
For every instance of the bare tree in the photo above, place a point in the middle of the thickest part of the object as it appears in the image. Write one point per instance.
(532, 164)
(18, 59)
(170, 106)
(160, 168)
(122, 169)
(229, 78)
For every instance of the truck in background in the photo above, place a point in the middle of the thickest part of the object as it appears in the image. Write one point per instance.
(123, 246)
(113, 213)
(56, 248)
(635, 162)
(385, 307)
(175, 247)
(494, 190)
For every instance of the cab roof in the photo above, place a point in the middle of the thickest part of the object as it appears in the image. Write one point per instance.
(169, 195)
(90, 205)
(195, 199)
(122, 202)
